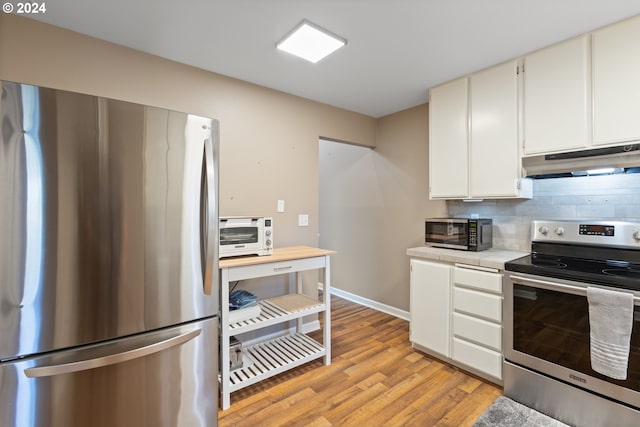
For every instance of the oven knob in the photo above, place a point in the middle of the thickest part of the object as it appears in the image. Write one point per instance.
(559, 231)
(636, 234)
(268, 232)
(543, 230)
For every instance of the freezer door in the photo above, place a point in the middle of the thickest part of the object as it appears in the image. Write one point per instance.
(105, 213)
(160, 379)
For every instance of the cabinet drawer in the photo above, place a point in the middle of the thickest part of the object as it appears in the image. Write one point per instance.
(477, 303)
(484, 280)
(273, 268)
(477, 357)
(478, 330)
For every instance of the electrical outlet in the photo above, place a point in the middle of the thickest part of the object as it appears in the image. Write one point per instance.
(303, 220)
(280, 207)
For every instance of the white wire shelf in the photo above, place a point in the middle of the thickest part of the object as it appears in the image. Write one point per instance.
(271, 313)
(272, 357)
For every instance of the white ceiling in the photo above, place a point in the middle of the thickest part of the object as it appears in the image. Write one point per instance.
(396, 51)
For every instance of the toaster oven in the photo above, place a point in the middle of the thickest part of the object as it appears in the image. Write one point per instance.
(245, 235)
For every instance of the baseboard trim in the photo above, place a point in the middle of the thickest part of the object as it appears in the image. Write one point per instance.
(393, 311)
(314, 325)
(309, 327)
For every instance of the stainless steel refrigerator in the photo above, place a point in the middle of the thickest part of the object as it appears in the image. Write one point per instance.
(108, 262)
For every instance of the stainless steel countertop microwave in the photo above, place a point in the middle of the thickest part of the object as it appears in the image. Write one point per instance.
(474, 234)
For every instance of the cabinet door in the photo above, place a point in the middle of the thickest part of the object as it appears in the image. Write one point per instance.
(494, 153)
(556, 98)
(616, 86)
(448, 135)
(430, 305)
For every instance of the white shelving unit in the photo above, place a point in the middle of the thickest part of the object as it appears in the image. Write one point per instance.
(271, 357)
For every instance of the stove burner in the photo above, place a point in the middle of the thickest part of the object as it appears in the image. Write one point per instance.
(626, 273)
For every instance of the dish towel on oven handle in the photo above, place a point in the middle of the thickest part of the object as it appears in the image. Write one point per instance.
(611, 321)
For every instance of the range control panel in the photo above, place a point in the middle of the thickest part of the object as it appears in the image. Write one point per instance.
(597, 230)
(587, 232)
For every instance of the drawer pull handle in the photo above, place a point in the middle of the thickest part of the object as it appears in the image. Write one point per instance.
(288, 267)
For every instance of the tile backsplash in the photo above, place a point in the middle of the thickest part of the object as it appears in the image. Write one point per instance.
(590, 197)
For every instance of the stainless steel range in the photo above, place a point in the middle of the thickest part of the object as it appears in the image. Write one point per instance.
(572, 323)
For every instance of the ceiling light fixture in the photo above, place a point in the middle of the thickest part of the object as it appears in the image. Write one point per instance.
(310, 42)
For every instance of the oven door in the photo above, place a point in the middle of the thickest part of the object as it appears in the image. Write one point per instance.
(547, 330)
(447, 233)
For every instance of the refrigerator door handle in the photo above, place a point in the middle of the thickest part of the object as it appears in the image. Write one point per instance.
(209, 228)
(111, 359)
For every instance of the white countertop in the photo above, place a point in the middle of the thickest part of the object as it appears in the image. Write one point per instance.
(491, 258)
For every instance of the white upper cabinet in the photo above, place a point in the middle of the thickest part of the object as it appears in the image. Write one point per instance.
(448, 139)
(493, 144)
(473, 137)
(580, 94)
(616, 83)
(557, 98)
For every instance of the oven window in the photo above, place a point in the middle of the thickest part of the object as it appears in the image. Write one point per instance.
(446, 232)
(554, 326)
(238, 235)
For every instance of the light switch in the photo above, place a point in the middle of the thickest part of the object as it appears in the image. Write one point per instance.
(303, 220)
(280, 207)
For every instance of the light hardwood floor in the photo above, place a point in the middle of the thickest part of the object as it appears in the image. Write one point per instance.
(375, 379)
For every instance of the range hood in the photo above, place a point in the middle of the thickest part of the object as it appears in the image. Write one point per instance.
(624, 158)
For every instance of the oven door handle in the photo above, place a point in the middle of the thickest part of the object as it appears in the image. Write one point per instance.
(554, 286)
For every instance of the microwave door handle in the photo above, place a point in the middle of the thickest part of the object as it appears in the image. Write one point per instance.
(208, 216)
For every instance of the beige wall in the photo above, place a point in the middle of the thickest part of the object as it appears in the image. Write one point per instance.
(269, 150)
(269, 140)
(372, 207)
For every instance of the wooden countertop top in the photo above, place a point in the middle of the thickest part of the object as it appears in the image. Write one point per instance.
(279, 254)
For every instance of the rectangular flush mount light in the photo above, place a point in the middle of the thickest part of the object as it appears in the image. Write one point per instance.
(310, 42)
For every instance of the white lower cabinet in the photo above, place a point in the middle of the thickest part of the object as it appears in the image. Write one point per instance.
(477, 320)
(430, 305)
(456, 314)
